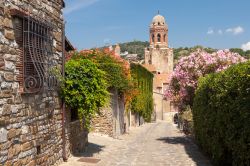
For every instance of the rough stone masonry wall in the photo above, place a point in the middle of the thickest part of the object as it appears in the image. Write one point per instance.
(103, 123)
(76, 136)
(162, 59)
(111, 119)
(30, 129)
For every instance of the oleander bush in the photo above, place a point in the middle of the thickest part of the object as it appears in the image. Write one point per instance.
(221, 113)
(184, 79)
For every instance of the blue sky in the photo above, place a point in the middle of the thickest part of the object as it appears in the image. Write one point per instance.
(212, 23)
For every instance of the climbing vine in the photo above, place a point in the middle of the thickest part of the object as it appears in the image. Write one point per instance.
(142, 102)
(117, 70)
(89, 75)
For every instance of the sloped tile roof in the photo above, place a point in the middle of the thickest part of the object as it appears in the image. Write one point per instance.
(149, 67)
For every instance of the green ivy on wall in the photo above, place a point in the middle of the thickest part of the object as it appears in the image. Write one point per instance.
(142, 103)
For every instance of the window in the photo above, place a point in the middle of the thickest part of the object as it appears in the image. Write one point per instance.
(153, 38)
(150, 59)
(38, 149)
(159, 38)
(35, 41)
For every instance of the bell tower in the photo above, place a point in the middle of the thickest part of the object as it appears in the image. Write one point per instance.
(158, 53)
(159, 60)
(158, 32)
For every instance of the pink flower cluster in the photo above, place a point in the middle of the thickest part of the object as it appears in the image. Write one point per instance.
(185, 77)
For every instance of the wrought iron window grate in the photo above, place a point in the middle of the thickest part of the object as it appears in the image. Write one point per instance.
(38, 56)
(35, 39)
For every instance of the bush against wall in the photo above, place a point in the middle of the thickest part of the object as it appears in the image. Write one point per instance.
(142, 103)
(84, 88)
(117, 70)
(221, 113)
(190, 68)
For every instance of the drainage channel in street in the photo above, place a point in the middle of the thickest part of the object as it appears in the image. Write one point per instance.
(89, 160)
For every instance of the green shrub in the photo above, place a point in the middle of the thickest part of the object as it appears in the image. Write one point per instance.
(221, 113)
(84, 88)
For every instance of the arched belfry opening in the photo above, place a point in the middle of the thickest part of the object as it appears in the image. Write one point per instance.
(159, 37)
(159, 32)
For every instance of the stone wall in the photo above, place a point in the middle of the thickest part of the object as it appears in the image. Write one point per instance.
(76, 136)
(111, 120)
(103, 123)
(136, 120)
(30, 124)
(162, 59)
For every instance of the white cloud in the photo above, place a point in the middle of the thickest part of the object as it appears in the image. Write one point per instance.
(236, 31)
(210, 32)
(245, 46)
(77, 5)
(220, 32)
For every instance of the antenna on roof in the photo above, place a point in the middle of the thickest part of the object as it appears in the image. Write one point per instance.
(158, 11)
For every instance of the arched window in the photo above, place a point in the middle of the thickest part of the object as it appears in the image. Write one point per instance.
(150, 59)
(165, 37)
(153, 38)
(159, 38)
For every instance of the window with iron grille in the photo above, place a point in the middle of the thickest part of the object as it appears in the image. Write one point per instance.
(35, 40)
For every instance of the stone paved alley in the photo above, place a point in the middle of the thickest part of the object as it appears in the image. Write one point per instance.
(154, 144)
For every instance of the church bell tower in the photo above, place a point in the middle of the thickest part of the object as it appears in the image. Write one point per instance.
(159, 60)
(159, 32)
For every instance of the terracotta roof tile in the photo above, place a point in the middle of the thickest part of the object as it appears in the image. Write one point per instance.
(160, 79)
(149, 67)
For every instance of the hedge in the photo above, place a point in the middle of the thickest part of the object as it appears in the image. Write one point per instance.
(221, 113)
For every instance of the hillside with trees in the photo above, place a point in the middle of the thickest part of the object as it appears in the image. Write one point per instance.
(137, 47)
(245, 54)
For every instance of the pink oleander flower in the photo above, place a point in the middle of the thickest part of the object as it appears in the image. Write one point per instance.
(184, 78)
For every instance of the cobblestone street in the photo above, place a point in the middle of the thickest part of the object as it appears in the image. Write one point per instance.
(155, 144)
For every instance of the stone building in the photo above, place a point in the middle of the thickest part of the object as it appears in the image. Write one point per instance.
(35, 129)
(159, 60)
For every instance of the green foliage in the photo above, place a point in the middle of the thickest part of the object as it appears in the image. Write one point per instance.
(142, 103)
(115, 71)
(85, 88)
(245, 54)
(221, 113)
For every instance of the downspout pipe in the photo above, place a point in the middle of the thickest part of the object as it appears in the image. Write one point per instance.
(64, 154)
